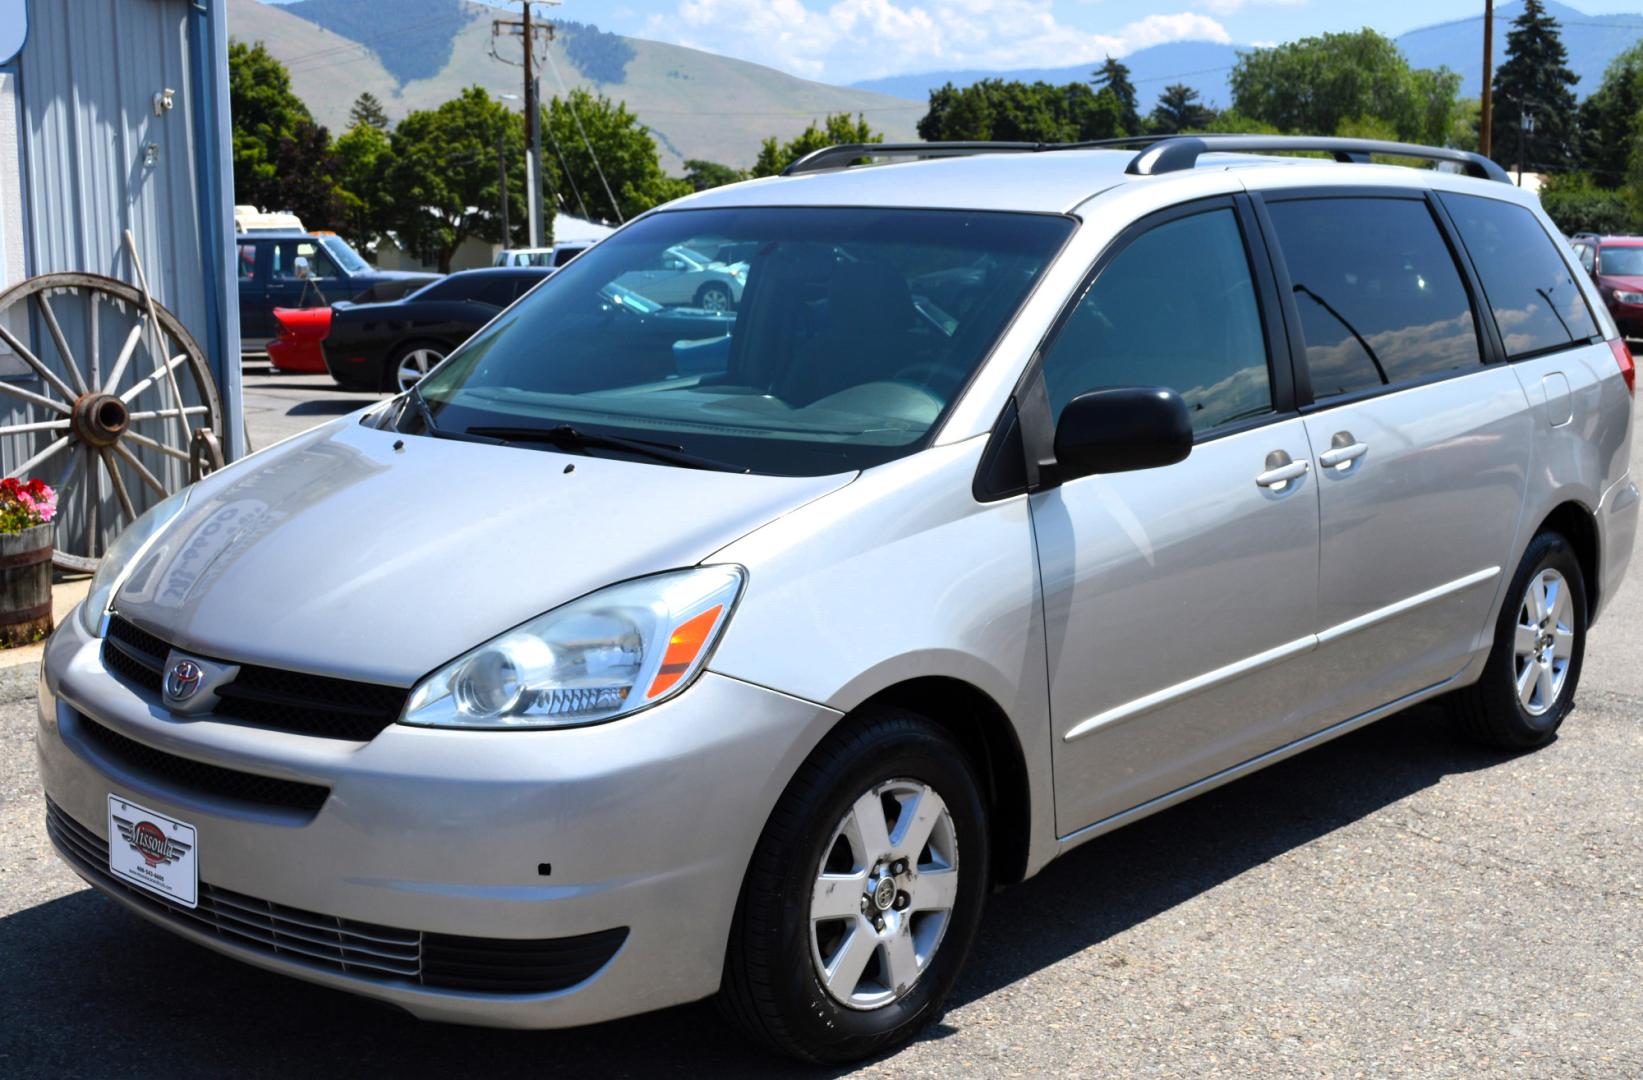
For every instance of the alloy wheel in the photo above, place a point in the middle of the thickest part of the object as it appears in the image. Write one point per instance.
(415, 364)
(883, 894)
(1544, 642)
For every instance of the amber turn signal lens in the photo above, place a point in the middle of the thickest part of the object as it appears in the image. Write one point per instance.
(683, 646)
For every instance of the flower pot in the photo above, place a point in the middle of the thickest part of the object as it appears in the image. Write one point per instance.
(25, 585)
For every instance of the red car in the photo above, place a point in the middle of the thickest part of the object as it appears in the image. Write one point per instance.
(298, 347)
(1616, 264)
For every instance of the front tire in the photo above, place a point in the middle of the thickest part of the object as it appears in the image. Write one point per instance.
(863, 895)
(1528, 685)
(715, 296)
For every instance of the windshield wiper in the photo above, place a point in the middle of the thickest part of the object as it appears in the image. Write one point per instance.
(567, 437)
(433, 430)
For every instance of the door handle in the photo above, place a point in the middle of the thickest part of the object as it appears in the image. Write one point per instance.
(1281, 470)
(1343, 448)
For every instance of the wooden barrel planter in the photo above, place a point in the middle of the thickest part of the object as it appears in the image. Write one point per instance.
(25, 585)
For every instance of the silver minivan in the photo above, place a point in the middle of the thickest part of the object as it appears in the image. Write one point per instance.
(640, 655)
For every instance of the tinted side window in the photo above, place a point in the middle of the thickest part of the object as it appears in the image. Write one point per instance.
(1535, 300)
(1380, 298)
(498, 292)
(1588, 257)
(1176, 308)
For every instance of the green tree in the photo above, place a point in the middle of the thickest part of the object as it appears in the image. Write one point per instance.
(442, 173)
(1022, 112)
(363, 154)
(368, 110)
(1312, 86)
(1178, 109)
(1535, 77)
(1114, 76)
(838, 129)
(615, 167)
(282, 159)
(702, 175)
(1576, 204)
(1609, 127)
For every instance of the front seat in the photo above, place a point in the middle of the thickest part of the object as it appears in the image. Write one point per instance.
(867, 339)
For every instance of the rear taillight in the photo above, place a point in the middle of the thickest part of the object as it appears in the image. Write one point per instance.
(297, 324)
(1628, 370)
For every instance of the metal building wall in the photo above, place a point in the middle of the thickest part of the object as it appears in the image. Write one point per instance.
(97, 158)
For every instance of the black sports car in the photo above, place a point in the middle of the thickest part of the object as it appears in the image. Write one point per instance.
(390, 346)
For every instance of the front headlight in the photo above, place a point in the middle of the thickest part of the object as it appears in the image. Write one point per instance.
(121, 554)
(606, 655)
(1628, 297)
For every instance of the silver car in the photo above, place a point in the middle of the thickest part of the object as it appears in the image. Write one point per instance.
(745, 657)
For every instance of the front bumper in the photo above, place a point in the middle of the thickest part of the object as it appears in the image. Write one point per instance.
(645, 823)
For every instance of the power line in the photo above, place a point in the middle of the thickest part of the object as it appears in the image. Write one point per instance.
(570, 104)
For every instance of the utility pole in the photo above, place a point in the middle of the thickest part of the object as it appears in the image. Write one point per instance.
(529, 31)
(1486, 115)
(502, 186)
(1525, 125)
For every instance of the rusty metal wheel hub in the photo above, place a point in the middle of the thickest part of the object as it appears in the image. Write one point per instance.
(100, 419)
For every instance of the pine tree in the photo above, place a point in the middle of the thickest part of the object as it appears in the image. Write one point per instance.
(368, 110)
(1535, 78)
(1178, 110)
(1113, 75)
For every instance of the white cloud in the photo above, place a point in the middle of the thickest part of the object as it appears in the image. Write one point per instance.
(1232, 7)
(854, 39)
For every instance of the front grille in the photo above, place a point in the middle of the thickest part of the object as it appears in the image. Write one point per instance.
(381, 954)
(268, 697)
(135, 655)
(186, 774)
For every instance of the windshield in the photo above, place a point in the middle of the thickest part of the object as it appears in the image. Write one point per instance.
(346, 257)
(791, 341)
(1623, 261)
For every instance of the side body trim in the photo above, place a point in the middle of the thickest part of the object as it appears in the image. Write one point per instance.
(1239, 668)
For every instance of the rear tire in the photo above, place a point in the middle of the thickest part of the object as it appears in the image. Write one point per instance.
(417, 356)
(824, 962)
(1528, 685)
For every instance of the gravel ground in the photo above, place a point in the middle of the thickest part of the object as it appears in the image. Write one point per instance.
(1394, 903)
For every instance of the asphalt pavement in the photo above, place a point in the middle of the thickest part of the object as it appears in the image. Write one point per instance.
(1395, 903)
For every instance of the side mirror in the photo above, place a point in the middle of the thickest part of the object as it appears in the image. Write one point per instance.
(1121, 429)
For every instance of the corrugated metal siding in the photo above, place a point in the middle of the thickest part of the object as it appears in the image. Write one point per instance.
(88, 75)
(89, 72)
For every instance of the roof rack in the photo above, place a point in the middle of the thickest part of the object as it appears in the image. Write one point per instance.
(1159, 153)
(837, 157)
(1181, 152)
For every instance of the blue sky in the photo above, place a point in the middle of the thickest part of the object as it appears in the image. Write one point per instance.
(844, 40)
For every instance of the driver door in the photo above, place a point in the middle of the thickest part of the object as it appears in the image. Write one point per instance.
(1179, 601)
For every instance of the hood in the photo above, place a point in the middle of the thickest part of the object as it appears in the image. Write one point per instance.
(1623, 282)
(335, 554)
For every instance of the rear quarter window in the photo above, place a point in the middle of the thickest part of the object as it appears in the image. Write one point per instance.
(1531, 292)
(1380, 298)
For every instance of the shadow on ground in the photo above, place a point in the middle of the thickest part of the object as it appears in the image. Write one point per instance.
(94, 990)
(329, 407)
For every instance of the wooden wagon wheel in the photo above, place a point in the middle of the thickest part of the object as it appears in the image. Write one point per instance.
(109, 434)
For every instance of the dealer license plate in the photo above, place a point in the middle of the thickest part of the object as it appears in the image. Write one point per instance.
(152, 851)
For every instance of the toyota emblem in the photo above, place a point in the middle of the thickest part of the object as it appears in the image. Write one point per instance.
(183, 682)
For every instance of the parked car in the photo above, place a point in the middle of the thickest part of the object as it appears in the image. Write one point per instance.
(298, 270)
(576, 682)
(249, 219)
(390, 346)
(682, 276)
(557, 255)
(1616, 264)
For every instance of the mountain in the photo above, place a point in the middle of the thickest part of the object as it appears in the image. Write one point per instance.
(696, 104)
(1202, 65)
(1592, 40)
